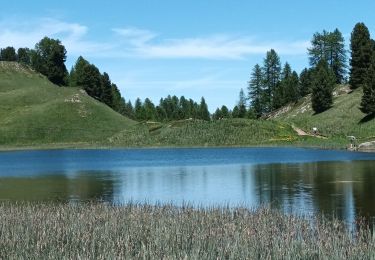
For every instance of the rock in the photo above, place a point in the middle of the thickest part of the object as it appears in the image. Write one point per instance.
(367, 146)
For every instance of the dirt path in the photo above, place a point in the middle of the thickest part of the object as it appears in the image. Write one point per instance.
(300, 132)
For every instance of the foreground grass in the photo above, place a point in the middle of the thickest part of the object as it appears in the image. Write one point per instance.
(39, 231)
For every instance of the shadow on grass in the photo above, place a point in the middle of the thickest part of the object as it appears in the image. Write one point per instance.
(367, 118)
(321, 111)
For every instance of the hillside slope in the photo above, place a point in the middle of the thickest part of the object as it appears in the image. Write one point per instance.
(343, 119)
(35, 112)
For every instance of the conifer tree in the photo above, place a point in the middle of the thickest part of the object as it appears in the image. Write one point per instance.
(224, 112)
(271, 72)
(106, 91)
(322, 87)
(368, 98)
(203, 110)
(361, 52)
(242, 104)
(305, 81)
(331, 47)
(255, 91)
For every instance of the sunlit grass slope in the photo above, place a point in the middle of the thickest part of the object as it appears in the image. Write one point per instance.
(36, 113)
(33, 112)
(343, 119)
(226, 132)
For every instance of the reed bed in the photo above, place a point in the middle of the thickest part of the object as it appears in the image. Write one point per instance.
(100, 231)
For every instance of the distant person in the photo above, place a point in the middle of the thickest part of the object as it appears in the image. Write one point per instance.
(315, 130)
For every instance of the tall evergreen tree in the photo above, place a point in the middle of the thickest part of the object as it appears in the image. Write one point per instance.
(203, 110)
(331, 47)
(305, 82)
(49, 58)
(149, 110)
(106, 90)
(322, 87)
(271, 72)
(255, 90)
(368, 98)
(291, 90)
(224, 112)
(242, 104)
(138, 109)
(91, 81)
(338, 55)
(361, 53)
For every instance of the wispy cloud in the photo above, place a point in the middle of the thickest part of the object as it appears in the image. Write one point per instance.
(140, 43)
(145, 44)
(27, 34)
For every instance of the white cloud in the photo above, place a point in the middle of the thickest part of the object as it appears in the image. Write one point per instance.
(140, 43)
(27, 34)
(143, 43)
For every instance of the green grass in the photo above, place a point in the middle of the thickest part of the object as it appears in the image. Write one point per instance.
(343, 119)
(34, 112)
(227, 132)
(99, 231)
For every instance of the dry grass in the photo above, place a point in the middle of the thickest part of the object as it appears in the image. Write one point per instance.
(87, 231)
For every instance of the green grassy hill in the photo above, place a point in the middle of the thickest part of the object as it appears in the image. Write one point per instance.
(343, 119)
(34, 112)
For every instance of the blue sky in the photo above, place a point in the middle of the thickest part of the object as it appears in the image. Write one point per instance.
(152, 48)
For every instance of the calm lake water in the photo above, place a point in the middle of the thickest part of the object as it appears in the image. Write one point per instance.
(302, 181)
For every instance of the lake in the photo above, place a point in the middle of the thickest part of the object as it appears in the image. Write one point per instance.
(295, 180)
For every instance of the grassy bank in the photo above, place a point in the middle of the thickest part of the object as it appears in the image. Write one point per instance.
(37, 231)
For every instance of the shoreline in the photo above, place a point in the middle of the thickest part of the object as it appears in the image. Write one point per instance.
(109, 147)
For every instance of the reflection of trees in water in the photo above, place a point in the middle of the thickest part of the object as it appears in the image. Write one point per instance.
(345, 189)
(82, 186)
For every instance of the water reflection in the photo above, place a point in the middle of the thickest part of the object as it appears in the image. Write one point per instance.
(298, 185)
(80, 186)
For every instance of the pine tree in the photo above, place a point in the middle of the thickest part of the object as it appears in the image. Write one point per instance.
(255, 90)
(138, 109)
(361, 52)
(368, 98)
(305, 81)
(149, 110)
(331, 47)
(106, 91)
(203, 110)
(217, 115)
(242, 104)
(271, 72)
(224, 112)
(322, 87)
(338, 55)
